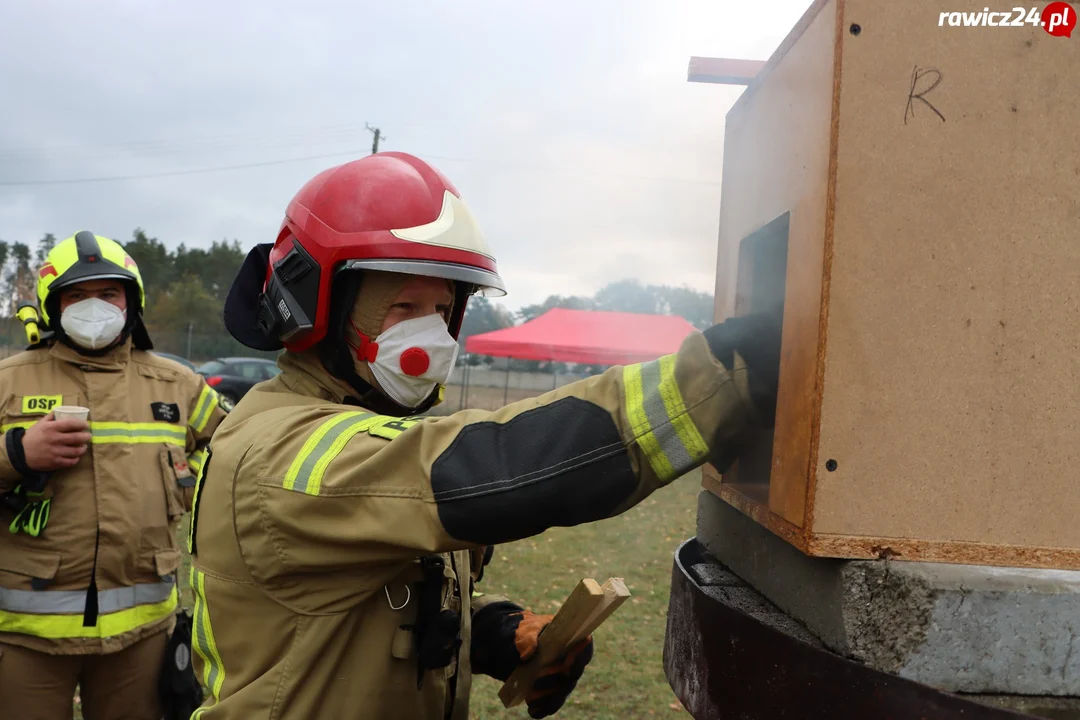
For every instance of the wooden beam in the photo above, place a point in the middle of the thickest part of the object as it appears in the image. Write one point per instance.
(723, 71)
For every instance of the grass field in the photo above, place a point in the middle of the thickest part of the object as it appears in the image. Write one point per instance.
(626, 679)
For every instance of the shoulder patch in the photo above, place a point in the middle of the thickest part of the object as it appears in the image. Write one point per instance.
(40, 404)
(166, 412)
(389, 427)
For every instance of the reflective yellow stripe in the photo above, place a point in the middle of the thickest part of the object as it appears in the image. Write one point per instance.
(660, 421)
(320, 441)
(326, 443)
(639, 422)
(314, 482)
(193, 520)
(195, 461)
(109, 432)
(22, 424)
(202, 638)
(677, 412)
(58, 627)
(171, 428)
(203, 409)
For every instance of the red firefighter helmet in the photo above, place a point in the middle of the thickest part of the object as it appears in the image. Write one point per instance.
(390, 211)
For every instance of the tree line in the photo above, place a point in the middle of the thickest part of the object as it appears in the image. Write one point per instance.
(186, 290)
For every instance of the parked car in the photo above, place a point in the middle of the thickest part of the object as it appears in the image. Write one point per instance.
(233, 377)
(169, 356)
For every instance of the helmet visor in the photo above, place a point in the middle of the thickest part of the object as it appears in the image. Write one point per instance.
(488, 283)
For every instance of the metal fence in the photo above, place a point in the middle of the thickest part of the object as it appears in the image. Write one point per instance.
(479, 387)
(485, 388)
(12, 337)
(198, 347)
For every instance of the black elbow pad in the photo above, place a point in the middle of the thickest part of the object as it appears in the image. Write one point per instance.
(557, 465)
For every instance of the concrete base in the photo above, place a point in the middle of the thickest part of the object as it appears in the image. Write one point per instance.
(960, 628)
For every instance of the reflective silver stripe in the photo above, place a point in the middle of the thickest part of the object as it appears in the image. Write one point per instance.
(72, 602)
(662, 426)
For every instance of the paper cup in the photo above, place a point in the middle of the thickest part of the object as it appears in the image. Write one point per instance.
(73, 412)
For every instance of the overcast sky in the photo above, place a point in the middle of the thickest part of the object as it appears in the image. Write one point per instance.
(569, 127)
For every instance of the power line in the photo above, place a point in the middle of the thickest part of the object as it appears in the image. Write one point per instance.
(327, 134)
(293, 136)
(168, 150)
(222, 168)
(198, 171)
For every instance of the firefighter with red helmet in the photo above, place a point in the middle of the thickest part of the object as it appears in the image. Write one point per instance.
(338, 536)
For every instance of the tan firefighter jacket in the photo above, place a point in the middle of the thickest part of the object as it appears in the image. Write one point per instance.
(311, 515)
(114, 515)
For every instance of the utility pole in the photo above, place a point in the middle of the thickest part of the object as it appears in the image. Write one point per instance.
(378, 136)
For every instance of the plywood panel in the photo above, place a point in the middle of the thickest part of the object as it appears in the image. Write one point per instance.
(776, 160)
(749, 500)
(952, 379)
(940, 551)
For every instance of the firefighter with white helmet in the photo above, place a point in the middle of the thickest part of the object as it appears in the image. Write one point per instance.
(88, 550)
(338, 537)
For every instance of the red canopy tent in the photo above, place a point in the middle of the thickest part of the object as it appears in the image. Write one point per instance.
(586, 336)
(589, 337)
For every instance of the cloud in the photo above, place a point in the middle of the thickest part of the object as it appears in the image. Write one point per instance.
(569, 127)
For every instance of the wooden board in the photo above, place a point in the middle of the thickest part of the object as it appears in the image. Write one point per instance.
(588, 606)
(776, 161)
(952, 384)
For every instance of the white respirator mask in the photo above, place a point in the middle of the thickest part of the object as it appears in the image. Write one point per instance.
(412, 358)
(93, 323)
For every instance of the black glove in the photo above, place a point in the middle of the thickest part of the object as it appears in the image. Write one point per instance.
(556, 681)
(757, 339)
(505, 636)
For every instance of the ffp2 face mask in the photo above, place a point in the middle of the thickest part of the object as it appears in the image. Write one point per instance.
(93, 323)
